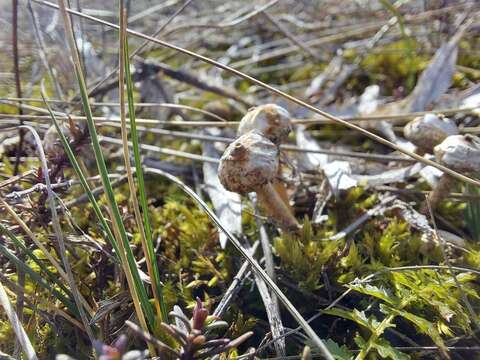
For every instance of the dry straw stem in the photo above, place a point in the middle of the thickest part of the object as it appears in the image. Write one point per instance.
(9, 101)
(443, 248)
(13, 289)
(79, 301)
(293, 99)
(311, 121)
(128, 166)
(17, 325)
(45, 251)
(142, 46)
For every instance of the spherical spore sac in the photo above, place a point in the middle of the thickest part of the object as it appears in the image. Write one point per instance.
(429, 130)
(248, 163)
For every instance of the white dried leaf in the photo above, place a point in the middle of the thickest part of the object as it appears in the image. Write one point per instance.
(309, 161)
(338, 175)
(437, 77)
(369, 100)
(390, 176)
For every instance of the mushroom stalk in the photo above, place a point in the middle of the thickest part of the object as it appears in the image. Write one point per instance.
(250, 164)
(281, 190)
(442, 188)
(273, 204)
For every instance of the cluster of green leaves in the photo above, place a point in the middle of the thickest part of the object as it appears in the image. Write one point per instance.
(426, 303)
(426, 300)
(472, 213)
(304, 257)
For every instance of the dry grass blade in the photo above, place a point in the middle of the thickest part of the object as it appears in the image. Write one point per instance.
(17, 325)
(313, 121)
(142, 222)
(59, 234)
(9, 100)
(255, 266)
(143, 45)
(42, 247)
(283, 94)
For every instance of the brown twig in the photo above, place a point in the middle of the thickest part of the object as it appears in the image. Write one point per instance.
(18, 86)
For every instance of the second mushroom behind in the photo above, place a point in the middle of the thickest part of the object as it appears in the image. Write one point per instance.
(429, 130)
(250, 164)
(273, 121)
(460, 153)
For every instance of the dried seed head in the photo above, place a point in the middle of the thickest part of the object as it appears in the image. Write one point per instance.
(460, 153)
(219, 108)
(248, 163)
(429, 130)
(52, 144)
(271, 120)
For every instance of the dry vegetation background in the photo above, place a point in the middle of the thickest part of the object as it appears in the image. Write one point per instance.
(113, 251)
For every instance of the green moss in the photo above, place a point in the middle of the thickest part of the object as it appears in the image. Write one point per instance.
(390, 65)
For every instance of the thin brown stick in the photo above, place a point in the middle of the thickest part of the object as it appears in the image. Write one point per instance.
(290, 36)
(142, 46)
(18, 86)
(21, 275)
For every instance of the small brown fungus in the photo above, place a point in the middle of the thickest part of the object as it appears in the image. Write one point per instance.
(459, 153)
(250, 164)
(429, 130)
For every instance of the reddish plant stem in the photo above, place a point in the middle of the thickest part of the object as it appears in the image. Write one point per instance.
(16, 69)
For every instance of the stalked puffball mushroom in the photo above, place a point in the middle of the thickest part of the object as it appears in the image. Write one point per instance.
(429, 130)
(250, 164)
(273, 121)
(460, 153)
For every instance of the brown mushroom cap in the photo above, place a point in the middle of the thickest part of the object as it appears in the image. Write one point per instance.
(429, 130)
(460, 153)
(248, 163)
(271, 120)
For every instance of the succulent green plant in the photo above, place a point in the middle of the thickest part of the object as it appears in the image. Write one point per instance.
(196, 338)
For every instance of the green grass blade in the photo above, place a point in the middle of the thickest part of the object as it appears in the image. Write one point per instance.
(141, 187)
(82, 178)
(39, 280)
(54, 278)
(137, 290)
